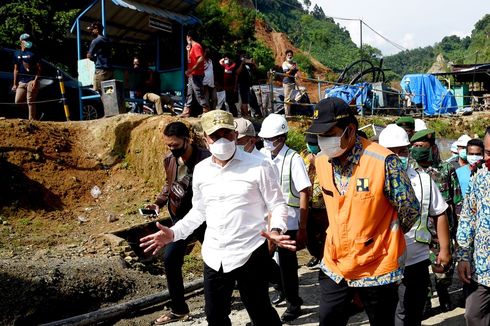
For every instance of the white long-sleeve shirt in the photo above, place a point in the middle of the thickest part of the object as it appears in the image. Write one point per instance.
(233, 200)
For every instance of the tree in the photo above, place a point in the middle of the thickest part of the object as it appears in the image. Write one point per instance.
(318, 12)
(47, 21)
(307, 4)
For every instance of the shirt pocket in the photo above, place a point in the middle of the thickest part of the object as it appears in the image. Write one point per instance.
(369, 249)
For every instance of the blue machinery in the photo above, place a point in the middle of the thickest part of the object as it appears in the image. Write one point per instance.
(137, 22)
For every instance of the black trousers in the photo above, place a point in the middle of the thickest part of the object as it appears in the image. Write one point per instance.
(379, 302)
(412, 294)
(288, 266)
(173, 258)
(252, 281)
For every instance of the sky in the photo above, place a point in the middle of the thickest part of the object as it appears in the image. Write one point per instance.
(411, 24)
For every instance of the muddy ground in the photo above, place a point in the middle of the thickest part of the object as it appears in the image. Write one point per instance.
(56, 260)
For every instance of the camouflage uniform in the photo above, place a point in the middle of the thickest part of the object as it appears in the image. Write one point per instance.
(444, 175)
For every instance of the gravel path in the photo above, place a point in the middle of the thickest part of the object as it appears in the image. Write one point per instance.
(309, 291)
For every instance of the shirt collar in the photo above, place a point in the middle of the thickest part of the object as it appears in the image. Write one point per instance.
(239, 155)
(283, 151)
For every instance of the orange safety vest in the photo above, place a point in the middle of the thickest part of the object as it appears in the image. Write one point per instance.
(363, 238)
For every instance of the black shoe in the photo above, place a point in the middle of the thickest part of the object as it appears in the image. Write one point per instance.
(278, 298)
(427, 309)
(313, 262)
(446, 306)
(290, 315)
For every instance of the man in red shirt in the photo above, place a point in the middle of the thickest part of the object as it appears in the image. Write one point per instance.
(195, 74)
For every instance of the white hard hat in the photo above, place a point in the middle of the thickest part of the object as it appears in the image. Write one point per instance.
(420, 125)
(407, 80)
(393, 136)
(273, 125)
(463, 141)
(454, 147)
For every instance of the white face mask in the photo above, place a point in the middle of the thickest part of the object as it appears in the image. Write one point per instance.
(227, 61)
(330, 146)
(269, 145)
(223, 149)
(472, 159)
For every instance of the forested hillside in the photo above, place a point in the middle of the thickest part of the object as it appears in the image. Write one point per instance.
(311, 31)
(468, 50)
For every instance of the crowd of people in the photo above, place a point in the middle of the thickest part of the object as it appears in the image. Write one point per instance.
(378, 215)
(375, 214)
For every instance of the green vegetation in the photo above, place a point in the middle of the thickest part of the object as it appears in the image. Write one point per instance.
(296, 140)
(47, 21)
(467, 50)
(193, 262)
(228, 28)
(312, 31)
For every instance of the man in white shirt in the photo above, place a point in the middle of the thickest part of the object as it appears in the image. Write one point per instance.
(295, 185)
(290, 69)
(232, 193)
(413, 291)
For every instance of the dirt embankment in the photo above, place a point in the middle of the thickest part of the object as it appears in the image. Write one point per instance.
(279, 43)
(54, 263)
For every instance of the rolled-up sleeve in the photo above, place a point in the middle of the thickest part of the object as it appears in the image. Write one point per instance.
(399, 191)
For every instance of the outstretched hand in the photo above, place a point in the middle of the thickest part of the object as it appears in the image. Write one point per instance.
(280, 240)
(156, 241)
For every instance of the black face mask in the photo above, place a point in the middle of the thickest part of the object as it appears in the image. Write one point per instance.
(178, 152)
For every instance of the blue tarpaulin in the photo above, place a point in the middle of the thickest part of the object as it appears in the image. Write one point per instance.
(358, 94)
(429, 91)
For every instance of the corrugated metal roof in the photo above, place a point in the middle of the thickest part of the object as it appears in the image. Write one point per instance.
(157, 11)
(128, 20)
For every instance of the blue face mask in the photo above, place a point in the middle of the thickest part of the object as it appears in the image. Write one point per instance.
(462, 154)
(313, 149)
(404, 161)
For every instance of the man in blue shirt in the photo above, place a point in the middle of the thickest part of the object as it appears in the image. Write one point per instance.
(473, 238)
(474, 154)
(27, 70)
(100, 52)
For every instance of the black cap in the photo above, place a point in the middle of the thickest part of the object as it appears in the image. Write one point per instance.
(97, 25)
(327, 113)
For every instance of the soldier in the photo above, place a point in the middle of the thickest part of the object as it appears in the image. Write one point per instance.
(426, 154)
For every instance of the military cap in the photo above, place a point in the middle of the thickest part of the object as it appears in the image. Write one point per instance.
(424, 135)
(217, 119)
(406, 122)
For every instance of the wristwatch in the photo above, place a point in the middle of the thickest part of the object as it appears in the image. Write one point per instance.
(278, 230)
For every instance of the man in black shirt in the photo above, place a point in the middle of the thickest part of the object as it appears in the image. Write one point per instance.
(100, 52)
